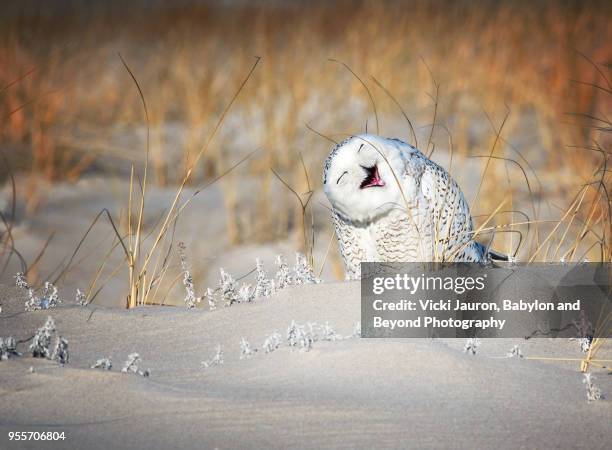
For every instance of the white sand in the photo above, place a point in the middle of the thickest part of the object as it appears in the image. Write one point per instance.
(353, 393)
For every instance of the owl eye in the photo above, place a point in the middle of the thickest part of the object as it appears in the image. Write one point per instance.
(340, 177)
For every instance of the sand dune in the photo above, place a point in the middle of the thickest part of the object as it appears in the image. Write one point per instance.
(349, 393)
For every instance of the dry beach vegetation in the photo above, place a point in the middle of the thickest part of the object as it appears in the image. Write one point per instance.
(126, 130)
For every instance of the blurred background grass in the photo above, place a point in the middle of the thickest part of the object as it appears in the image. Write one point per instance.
(68, 108)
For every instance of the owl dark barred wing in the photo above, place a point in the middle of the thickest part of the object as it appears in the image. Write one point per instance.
(352, 251)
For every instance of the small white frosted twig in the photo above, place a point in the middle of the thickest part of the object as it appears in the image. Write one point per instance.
(246, 293)
(471, 345)
(21, 282)
(272, 342)
(209, 296)
(8, 348)
(216, 360)
(329, 334)
(264, 287)
(303, 272)
(60, 352)
(191, 300)
(42, 340)
(593, 392)
(80, 298)
(298, 336)
(227, 284)
(131, 365)
(515, 352)
(49, 297)
(103, 363)
(283, 274)
(292, 334)
(246, 351)
(584, 332)
(33, 302)
(357, 329)
(305, 340)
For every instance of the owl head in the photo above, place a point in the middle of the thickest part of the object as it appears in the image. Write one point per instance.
(362, 176)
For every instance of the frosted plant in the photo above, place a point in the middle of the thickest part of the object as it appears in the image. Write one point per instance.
(272, 342)
(245, 349)
(21, 282)
(305, 339)
(190, 298)
(246, 293)
(49, 298)
(8, 348)
(584, 332)
(298, 336)
(227, 284)
(60, 352)
(292, 334)
(303, 272)
(357, 329)
(515, 352)
(471, 345)
(131, 365)
(593, 392)
(265, 286)
(103, 363)
(33, 302)
(283, 274)
(80, 298)
(329, 334)
(216, 360)
(585, 344)
(11, 346)
(313, 329)
(209, 296)
(42, 340)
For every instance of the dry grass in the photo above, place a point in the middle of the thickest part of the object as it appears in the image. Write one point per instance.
(65, 102)
(512, 98)
(520, 88)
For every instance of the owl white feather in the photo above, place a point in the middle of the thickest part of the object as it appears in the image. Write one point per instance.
(393, 204)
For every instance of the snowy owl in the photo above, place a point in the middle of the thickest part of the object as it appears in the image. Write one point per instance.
(391, 203)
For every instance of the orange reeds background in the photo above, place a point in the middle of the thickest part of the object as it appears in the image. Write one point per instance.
(69, 108)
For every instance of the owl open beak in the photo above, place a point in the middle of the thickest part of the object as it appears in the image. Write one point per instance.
(372, 178)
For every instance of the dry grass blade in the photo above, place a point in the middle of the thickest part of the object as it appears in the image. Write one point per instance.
(303, 206)
(484, 172)
(8, 222)
(17, 80)
(106, 212)
(135, 246)
(365, 87)
(324, 136)
(435, 112)
(41, 253)
(138, 293)
(393, 99)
